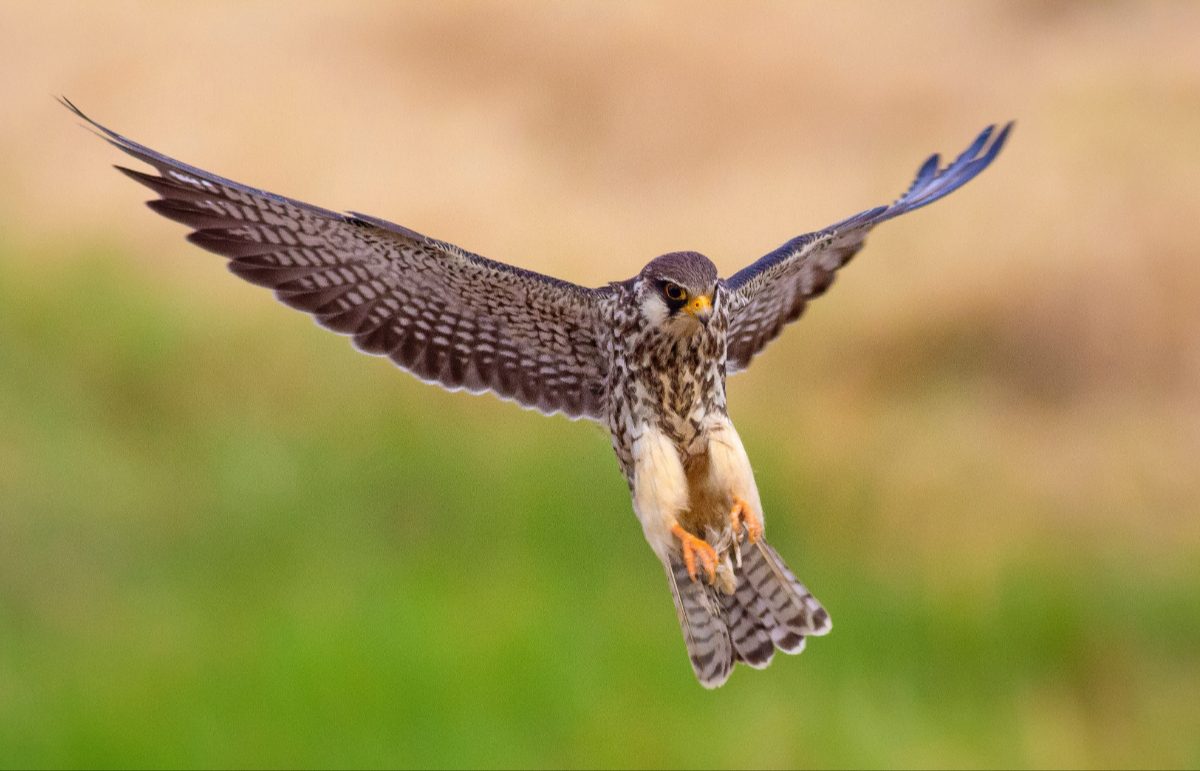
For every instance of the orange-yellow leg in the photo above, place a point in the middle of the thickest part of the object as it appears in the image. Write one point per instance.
(693, 547)
(742, 514)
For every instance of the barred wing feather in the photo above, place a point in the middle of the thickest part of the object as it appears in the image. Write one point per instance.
(446, 315)
(772, 292)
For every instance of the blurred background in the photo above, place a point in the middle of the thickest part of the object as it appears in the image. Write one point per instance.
(226, 538)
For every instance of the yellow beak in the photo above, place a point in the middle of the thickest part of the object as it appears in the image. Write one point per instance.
(700, 307)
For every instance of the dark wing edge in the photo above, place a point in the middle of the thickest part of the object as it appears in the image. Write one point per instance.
(773, 291)
(348, 272)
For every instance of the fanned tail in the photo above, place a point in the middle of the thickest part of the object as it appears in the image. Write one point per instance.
(767, 609)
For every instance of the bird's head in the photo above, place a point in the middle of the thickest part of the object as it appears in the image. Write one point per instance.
(677, 292)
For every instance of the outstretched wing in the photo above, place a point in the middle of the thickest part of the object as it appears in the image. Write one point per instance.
(442, 313)
(767, 295)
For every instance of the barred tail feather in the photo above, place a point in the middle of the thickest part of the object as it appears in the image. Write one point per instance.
(750, 624)
(704, 629)
(767, 609)
(795, 612)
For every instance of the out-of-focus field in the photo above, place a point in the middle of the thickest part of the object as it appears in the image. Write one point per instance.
(227, 539)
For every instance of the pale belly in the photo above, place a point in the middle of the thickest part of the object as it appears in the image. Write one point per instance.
(697, 492)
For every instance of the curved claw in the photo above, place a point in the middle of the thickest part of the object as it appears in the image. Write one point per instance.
(742, 514)
(693, 547)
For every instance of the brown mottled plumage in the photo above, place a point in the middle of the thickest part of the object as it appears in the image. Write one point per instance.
(647, 356)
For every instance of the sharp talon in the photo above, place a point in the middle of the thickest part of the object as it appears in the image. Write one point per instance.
(693, 546)
(742, 514)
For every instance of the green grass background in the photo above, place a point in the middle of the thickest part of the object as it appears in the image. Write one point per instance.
(225, 543)
(227, 539)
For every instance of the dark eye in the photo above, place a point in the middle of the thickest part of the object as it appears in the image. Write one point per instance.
(674, 292)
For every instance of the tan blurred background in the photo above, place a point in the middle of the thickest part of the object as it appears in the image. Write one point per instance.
(1009, 376)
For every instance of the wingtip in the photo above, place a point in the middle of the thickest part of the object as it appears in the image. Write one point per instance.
(78, 113)
(1002, 137)
(88, 123)
(998, 137)
(989, 141)
(989, 151)
(930, 165)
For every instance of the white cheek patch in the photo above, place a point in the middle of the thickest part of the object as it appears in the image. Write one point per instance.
(654, 310)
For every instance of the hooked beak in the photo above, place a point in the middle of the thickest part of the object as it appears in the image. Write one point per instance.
(700, 308)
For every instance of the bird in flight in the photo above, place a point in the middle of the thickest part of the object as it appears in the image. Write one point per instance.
(647, 357)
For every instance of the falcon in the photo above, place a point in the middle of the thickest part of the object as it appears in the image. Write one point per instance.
(647, 357)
